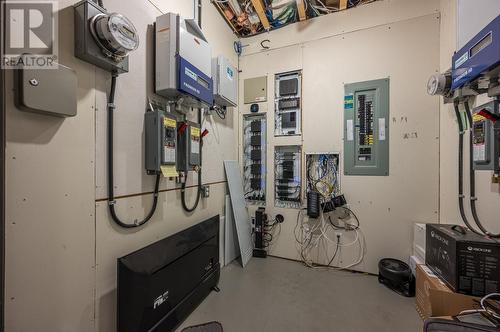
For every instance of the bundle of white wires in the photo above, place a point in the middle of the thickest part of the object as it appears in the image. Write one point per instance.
(320, 234)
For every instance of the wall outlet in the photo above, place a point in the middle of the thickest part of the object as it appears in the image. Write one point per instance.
(205, 191)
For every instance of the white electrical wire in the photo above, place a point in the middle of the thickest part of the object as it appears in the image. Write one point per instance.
(483, 307)
(309, 240)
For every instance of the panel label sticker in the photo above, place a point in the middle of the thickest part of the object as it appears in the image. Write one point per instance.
(195, 131)
(230, 74)
(350, 130)
(381, 129)
(191, 74)
(168, 154)
(460, 61)
(349, 101)
(167, 122)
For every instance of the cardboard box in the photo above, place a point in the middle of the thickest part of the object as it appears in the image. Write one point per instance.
(433, 298)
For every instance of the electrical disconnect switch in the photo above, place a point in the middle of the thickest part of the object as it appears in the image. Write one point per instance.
(486, 137)
(161, 142)
(189, 144)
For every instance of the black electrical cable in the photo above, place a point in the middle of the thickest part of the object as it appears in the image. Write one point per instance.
(111, 195)
(461, 169)
(199, 13)
(473, 197)
(183, 186)
(336, 251)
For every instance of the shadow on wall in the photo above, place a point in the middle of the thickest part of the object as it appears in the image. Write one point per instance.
(107, 309)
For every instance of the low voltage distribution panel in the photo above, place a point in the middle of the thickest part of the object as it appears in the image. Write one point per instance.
(288, 90)
(322, 174)
(189, 145)
(254, 157)
(486, 130)
(366, 128)
(161, 140)
(287, 176)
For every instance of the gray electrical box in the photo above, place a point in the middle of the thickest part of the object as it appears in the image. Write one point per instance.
(161, 140)
(486, 137)
(225, 77)
(189, 145)
(366, 128)
(50, 92)
(86, 47)
(255, 90)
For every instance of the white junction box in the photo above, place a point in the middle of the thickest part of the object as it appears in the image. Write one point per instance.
(225, 77)
(419, 241)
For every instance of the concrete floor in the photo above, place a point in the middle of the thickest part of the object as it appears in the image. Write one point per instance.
(279, 295)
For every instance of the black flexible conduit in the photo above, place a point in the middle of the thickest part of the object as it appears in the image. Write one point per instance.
(183, 186)
(111, 194)
(461, 169)
(473, 197)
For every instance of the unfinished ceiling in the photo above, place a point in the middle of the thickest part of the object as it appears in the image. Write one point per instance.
(250, 17)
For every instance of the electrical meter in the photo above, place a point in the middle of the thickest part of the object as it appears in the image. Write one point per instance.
(161, 141)
(188, 150)
(103, 39)
(115, 34)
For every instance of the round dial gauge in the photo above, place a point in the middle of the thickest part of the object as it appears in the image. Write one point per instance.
(115, 34)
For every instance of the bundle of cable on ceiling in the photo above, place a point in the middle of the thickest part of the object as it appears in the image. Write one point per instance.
(242, 16)
(319, 234)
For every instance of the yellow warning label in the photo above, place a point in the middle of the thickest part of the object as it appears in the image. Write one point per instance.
(478, 117)
(169, 171)
(167, 122)
(195, 131)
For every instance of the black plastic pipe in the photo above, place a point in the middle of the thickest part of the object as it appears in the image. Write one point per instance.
(473, 197)
(111, 194)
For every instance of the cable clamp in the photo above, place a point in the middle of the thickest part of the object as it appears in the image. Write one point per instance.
(473, 198)
(111, 105)
(461, 196)
(111, 203)
(156, 194)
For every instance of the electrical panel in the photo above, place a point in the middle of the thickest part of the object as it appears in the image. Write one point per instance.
(288, 104)
(50, 92)
(188, 146)
(255, 90)
(366, 128)
(161, 141)
(254, 157)
(486, 136)
(287, 176)
(225, 77)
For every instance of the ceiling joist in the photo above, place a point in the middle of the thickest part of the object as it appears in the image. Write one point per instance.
(259, 9)
(301, 9)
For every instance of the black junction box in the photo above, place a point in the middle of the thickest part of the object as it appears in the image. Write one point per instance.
(468, 263)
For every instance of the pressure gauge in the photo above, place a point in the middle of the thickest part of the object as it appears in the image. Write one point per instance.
(115, 34)
(439, 84)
